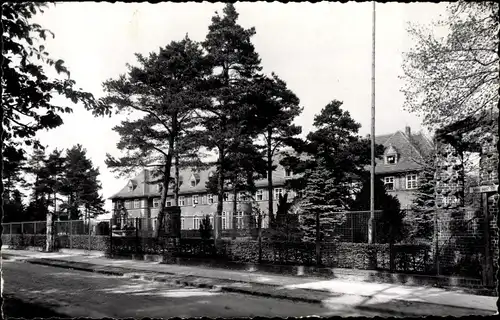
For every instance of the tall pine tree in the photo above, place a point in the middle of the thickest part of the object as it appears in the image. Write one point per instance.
(80, 184)
(235, 64)
(164, 91)
(390, 226)
(276, 108)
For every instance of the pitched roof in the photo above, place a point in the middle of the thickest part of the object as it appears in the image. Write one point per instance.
(147, 189)
(411, 151)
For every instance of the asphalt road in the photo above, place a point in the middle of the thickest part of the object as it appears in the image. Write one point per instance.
(56, 291)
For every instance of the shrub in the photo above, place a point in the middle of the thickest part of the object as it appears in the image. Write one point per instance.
(205, 228)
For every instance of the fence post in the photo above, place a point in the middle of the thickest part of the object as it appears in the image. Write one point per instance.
(10, 224)
(71, 234)
(351, 218)
(111, 237)
(22, 227)
(136, 235)
(89, 235)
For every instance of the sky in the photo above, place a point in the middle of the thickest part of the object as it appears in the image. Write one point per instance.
(322, 51)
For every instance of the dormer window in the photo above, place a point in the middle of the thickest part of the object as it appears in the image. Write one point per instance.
(194, 180)
(288, 173)
(391, 155)
(130, 186)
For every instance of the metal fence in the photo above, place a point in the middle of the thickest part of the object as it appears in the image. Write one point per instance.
(460, 244)
(353, 229)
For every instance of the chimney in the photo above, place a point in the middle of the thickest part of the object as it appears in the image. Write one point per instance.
(408, 131)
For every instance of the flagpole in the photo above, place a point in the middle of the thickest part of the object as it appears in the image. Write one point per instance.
(371, 227)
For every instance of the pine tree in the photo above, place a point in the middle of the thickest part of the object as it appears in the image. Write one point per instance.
(49, 183)
(276, 108)
(419, 219)
(335, 156)
(80, 184)
(164, 90)
(390, 227)
(38, 207)
(14, 208)
(205, 228)
(235, 64)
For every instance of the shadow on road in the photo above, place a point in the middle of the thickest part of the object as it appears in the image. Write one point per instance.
(15, 308)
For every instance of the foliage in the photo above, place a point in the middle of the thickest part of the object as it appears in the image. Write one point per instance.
(450, 78)
(27, 91)
(419, 218)
(163, 90)
(14, 209)
(389, 225)
(335, 158)
(205, 228)
(286, 225)
(80, 184)
(276, 108)
(234, 64)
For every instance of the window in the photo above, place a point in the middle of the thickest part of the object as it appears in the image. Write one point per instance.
(127, 204)
(137, 204)
(183, 224)
(259, 195)
(196, 222)
(242, 196)
(203, 200)
(168, 204)
(182, 201)
(288, 173)
(195, 199)
(277, 193)
(390, 159)
(389, 183)
(239, 220)
(210, 198)
(193, 183)
(411, 181)
(224, 221)
(156, 202)
(226, 196)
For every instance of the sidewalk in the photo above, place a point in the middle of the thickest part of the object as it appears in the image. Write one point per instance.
(315, 290)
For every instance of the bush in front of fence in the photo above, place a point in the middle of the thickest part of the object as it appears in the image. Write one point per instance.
(406, 258)
(23, 241)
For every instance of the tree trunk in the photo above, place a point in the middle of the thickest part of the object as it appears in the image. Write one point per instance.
(270, 180)
(235, 210)
(166, 179)
(176, 185)
(220, 195)
(318, 240)
(49, 235)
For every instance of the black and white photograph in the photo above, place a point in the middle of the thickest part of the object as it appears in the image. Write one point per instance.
(249, 159)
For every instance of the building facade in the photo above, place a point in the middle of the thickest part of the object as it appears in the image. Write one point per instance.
(140, 198)
(402, 163)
